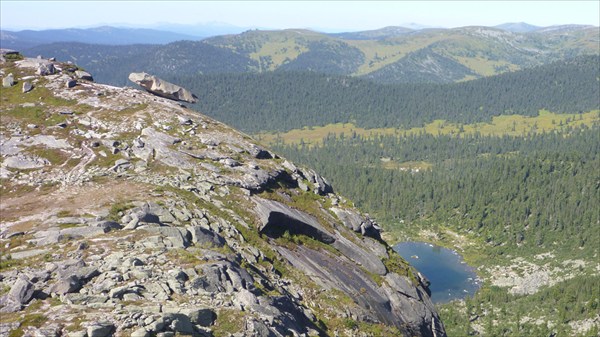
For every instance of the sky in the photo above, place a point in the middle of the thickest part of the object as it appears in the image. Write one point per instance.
(326, 16)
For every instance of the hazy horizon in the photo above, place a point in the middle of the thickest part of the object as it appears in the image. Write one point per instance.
(328, 16)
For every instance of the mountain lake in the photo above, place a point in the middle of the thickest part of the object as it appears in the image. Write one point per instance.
(451, 278)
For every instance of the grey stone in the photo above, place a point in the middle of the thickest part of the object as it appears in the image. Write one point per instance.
(45, 69)
(402, 285)
(161, 143)
(246, 298)
(66, 285)
(106, 225)
(100, 330)
(320, 184)
(141, 332)
(132, 224)
(70, 83)
(200, 316)
(204, 237)
(157, 325)
(178, 237)
(48, 330)
(27, 87)
(184, 120)
(181, 215)
(23, 162)
(21, 291)
(81, 333)
(258, 152)
(180, 323)
(84, 75)
(156, 290)
(359, 255)
(82, 231)
(78, 298)
(8, 81)
(86, 273)
(48, 141)
(8, 305)
(27, 253)
(162, 88)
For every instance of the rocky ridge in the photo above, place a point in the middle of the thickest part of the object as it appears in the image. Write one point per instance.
(127, 214)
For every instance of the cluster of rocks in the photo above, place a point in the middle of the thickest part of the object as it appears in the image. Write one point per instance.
(43, 67)
(205, 232)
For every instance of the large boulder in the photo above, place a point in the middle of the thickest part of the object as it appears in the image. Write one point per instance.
(162, 88)
(21, 291)
(27, 87)
(8, 81)
(84, 75)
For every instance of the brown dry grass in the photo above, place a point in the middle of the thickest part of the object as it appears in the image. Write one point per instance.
(31, 207)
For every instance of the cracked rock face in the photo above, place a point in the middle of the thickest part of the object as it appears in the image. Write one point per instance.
(126, 214)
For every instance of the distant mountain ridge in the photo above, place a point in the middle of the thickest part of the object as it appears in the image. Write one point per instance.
(377, 34)
(518, 27)
(387, 55)
(100, 35)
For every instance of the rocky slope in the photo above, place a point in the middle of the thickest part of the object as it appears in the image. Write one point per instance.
(127, 214)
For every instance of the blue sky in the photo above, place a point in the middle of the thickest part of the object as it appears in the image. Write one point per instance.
(327, 16)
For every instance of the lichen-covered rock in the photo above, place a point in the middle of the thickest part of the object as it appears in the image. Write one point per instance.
(162, 88)
(8, 81)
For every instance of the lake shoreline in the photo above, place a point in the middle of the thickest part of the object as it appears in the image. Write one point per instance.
(450, 276)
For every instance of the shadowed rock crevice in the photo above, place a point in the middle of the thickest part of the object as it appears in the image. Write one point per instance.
(277, 218)
(279, 223)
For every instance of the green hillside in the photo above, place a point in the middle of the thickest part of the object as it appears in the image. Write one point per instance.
(386, 56)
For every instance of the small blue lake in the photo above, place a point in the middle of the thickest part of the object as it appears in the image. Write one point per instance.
(451, 278)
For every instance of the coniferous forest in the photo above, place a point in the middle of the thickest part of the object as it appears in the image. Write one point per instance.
(529, 193)
(280, 101)
(509, 197)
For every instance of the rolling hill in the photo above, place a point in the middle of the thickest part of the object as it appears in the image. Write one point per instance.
(389, 55)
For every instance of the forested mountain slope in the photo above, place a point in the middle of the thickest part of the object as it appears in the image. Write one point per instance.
(388, 56)
(523, 210)
(284, 101)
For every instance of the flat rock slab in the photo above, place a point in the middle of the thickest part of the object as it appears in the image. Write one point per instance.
(27, 253)
(22, 162)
